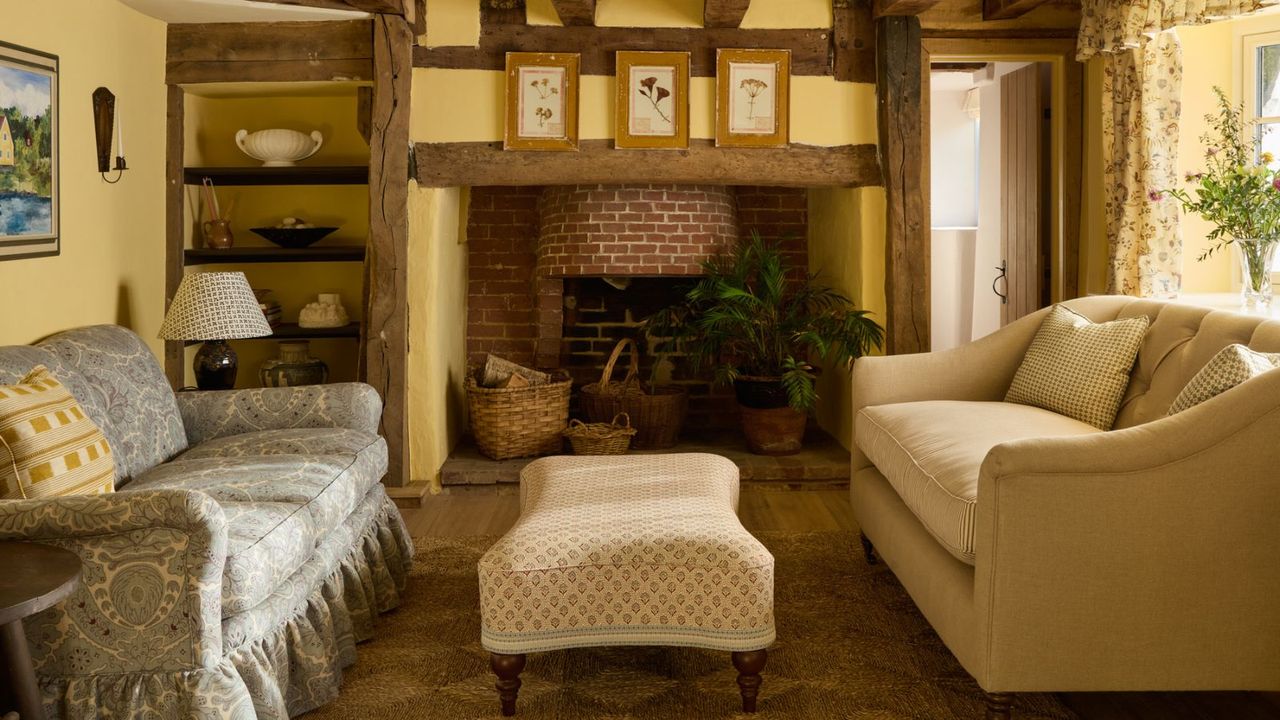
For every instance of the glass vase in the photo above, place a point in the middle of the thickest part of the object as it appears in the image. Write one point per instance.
(1255, 267)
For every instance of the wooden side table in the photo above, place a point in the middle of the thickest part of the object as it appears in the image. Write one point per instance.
(35, 577)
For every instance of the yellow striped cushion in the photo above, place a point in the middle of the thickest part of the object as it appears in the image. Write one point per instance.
(48, 446)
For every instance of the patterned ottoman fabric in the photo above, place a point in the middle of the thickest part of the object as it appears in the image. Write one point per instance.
(634, 550)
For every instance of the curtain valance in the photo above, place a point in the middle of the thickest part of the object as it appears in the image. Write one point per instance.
(1109, 26)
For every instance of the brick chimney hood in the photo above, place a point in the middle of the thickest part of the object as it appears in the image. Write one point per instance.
(633, 230)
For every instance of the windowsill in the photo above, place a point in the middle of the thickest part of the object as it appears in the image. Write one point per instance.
(1228, 301)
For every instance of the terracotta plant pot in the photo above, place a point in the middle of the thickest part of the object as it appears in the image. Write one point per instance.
(773, 431)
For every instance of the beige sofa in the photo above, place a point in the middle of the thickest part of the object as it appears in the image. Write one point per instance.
(1051, 556)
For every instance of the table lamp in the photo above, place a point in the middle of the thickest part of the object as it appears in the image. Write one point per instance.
(214, 307)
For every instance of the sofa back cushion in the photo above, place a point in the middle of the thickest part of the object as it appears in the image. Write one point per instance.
(1180, 341)
(119, 383)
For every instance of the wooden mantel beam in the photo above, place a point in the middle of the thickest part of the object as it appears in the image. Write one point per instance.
(484, 163)
(882, 8)
(724, 13)
(576, 12)
(1008, 9)
(391, 7)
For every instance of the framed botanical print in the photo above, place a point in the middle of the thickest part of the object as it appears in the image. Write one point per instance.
(542, 101)
(753, 98)
(653, 100)
(28, 153)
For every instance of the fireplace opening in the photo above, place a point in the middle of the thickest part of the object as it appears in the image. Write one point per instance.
(558, 275)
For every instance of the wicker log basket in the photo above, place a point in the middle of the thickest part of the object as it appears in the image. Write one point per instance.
(517, 422)
(657, 412)
(611, 438)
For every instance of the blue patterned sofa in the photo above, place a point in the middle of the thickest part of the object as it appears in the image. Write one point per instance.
(248, 548)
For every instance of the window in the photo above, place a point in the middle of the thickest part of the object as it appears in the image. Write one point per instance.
(1261, 96)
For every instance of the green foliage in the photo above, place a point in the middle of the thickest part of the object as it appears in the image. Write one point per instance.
(1237, 191)
(32, 170)
(746, 317)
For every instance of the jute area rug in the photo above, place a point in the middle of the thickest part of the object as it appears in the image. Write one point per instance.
(850, 645)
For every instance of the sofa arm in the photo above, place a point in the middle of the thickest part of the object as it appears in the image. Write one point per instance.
(150, 593)
(209, 415)
(1134, 559)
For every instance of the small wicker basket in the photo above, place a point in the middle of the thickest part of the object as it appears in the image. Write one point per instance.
(656, 411)
(611, 438)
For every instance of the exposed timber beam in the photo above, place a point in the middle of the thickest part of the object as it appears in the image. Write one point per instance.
(267, 52)
(902, 7)
(485, 163)
(391, 7)
(576, 12)
(724, 13)
(900, 71)
(810, 49)
(1008, 9)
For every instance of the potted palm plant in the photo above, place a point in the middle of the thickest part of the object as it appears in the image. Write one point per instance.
(761, 330)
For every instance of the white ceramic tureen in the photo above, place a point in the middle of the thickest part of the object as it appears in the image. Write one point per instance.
(279, 147)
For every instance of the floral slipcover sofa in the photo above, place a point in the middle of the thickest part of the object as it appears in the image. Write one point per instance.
(248, 547)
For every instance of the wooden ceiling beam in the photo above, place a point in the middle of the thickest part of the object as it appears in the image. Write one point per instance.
(576, 12)
(882, 8)
(1008, 9)
(389, 7)
(724, 13)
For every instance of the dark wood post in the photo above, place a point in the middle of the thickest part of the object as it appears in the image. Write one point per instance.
(899, 80)
(385, 338)
(749, 665)
(999, 706)
(508, 669)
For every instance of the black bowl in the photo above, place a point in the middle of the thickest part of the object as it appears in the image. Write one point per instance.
(294, 238)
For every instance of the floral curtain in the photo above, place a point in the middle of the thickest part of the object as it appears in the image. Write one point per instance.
(1141, 106)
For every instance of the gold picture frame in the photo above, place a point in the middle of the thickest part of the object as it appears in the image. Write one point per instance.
(652, 105)
(541, 101)
(753, 98)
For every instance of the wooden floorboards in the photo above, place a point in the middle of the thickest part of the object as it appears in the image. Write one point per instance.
(493, 510)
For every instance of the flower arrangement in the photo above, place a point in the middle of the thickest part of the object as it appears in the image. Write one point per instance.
(1238, 192)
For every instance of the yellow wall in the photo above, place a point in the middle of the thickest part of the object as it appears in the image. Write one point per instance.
(211, 124)
(437, 325)
(111, 269)
(846, 249)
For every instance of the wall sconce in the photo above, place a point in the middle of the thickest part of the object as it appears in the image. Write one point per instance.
(104, 121)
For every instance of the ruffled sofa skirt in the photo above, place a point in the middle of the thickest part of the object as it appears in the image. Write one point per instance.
(281, 658)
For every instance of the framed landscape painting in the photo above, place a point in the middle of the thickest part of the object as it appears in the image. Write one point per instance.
(28, 153)
(542, 101)
(652, 109)
(753, 98)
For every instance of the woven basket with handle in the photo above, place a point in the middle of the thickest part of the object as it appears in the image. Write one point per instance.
(611, 438)
(657, 412)
(519, 421)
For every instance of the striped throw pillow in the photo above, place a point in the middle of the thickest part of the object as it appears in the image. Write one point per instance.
(1231, 366)
(48, 446)
(1079, 368)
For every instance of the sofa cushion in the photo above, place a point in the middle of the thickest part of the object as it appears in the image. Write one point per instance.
(1230, 367)
(932, 452)
(48, 445)
(329, 486)
(294, 441)
(1078, 368)
(266, 541)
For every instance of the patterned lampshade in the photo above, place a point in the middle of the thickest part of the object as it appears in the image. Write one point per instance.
(214, 306)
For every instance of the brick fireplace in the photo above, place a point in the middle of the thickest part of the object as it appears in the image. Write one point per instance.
(558, 275)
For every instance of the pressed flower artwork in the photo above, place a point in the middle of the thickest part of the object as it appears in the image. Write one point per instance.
(542, 101)
(752, 97)
(653, 100)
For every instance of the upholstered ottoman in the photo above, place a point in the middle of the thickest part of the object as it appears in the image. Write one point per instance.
(627, 550)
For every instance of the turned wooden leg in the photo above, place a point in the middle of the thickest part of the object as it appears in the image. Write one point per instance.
(749, 664)
(508, 669)
(868, 549)
(22, 674)
(999, 706)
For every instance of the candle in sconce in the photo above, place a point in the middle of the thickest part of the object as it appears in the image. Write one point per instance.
(119, 131)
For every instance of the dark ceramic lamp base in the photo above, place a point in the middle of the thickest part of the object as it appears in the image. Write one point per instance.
(215, 366)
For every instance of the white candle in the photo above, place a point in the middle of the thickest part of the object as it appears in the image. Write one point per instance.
(119, 131)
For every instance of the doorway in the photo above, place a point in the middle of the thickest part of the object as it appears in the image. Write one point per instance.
(1003, 153)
